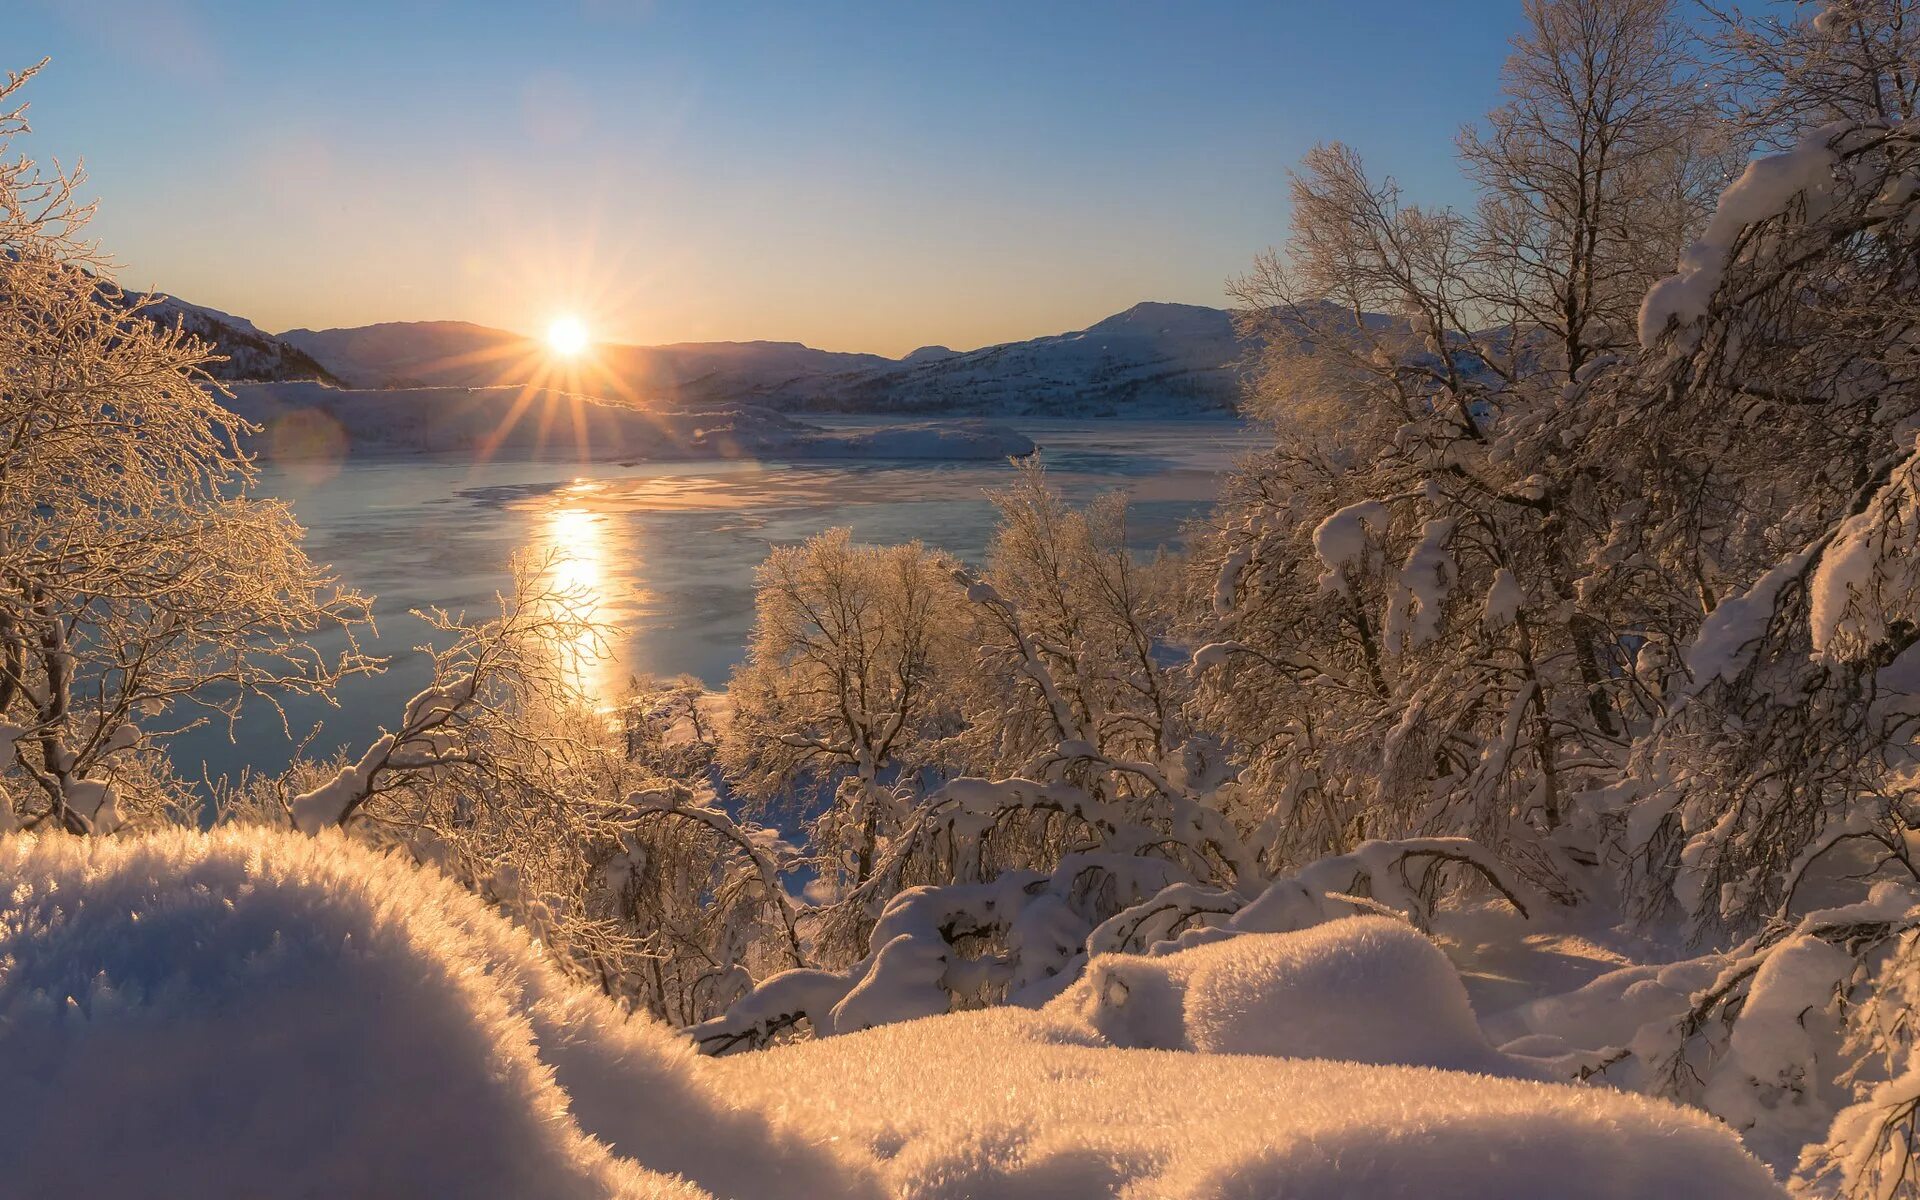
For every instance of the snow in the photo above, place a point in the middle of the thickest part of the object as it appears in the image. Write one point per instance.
(1775, 1083)
(1763, 191)
(1215, 654)
(261, 1014)
(1010, 1104)
(1227, 584)
(1363, 989)
(251, 1012)
(325, 804)
(1504, 599)
(1606, 1015)
(1728, 637)
(1865, 566)
(94, 801)
(1843, 575)
(1425, 581)
(1865, 1165)
(1341, 539)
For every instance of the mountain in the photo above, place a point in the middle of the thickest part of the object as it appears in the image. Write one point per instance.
(1153, 359)
(457, 354)
(251, 353)
(412, 353)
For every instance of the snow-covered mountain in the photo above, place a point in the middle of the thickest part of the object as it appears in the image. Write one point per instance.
(412, 353)
(1153, 359)
(251, 353)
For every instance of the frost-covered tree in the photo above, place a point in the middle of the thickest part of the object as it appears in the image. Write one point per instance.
(700, 887)
(1774, 414)
(1401, 580)
(500, 773)
(846, 686)
(1603, 159)
(1078, 793)
(1749, 482)
(142, 587)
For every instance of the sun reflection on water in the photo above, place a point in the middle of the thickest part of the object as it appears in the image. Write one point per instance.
(582, 570)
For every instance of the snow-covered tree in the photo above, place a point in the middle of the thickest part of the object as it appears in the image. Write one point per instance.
(1078, 790)
(143, 589)
(1775, 411)
(1394, 598)
(1595, 171)
(846, 686)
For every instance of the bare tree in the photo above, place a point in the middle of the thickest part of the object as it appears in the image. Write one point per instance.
(1596, 170)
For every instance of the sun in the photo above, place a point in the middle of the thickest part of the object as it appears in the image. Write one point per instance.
(567, 336)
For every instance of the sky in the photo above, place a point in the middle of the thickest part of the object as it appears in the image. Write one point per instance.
(870, 177)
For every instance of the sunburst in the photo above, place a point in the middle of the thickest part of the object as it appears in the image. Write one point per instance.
(586, 282)
(567, 336)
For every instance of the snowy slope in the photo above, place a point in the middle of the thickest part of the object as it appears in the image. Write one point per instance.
(1152, 359)
(251, 353)
(254, 1013)
(997, 1103)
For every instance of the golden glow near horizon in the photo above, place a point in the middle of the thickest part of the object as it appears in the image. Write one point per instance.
(567, 336)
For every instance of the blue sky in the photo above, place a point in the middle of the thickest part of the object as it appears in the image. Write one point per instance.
(854, 176)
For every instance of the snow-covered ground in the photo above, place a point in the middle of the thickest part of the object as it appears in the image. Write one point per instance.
(303, 421)
(250, 1013)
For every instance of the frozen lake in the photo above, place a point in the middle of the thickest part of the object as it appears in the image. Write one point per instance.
(667, 549)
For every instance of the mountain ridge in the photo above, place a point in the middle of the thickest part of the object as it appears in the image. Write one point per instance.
(1154, 358)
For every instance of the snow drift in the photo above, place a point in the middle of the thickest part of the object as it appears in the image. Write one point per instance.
(254, 1013)
(1362, 989)
(1007, 1103)
(257, 1014)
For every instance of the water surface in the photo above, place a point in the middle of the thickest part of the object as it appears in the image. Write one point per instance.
(667, 550)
